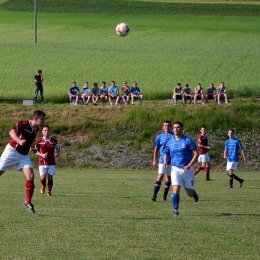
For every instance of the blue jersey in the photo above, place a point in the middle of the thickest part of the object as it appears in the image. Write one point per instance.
(135, 90)
(113, 90)
(233, 146)
(74, 90)
(180, 151)
(160, 142)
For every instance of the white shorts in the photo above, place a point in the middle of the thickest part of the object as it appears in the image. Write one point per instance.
(10, 158)
(204, 158)
(180, 177)
(162, 170)
(44, 169)
(232, 166)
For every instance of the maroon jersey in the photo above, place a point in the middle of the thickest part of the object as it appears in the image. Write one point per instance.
(46, 146)
(203, 140)
(25, 131)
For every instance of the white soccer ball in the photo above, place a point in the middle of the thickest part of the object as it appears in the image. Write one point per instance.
(122, 29)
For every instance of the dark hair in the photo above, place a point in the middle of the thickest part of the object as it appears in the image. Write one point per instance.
(103, 82)
(178, 84)
(113, 81)
(231, 129)
(178, 123)
(39, 71)
(95, 84)
(38, 113)
(167, 122)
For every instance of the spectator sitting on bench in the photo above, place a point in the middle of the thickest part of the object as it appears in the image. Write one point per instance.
(211, 93)
(135, 93)
(177, 93)
(222, 93)
(74, 93)
(187, 94)
(95, 94)
(103, 93)
(85, 94)
(125, 93)
(113, 93)
(198, 93)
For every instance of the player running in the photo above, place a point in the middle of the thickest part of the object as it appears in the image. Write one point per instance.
(16, 152)
(233, 145)
(183, 153)
(204, 158)
(48, 151)
(159, 143)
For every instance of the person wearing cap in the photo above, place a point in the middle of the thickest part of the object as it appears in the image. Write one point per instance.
(187, 94)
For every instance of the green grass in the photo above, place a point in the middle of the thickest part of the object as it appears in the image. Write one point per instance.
(161, 50)
(108, 214)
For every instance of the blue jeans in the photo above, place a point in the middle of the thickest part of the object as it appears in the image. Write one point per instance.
(37, 89)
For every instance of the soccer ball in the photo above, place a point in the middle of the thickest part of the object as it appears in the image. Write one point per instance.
(122, 29)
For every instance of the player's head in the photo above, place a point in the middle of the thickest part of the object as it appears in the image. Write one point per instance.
(95, 85)
(167, 126)
(39, 71)
(38, 118)
(103, 83)
(178, 128)
(46, 131)
(231, 133)
(203, 130)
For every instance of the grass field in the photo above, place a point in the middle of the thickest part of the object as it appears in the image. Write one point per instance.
(184, 43)
(108, 214)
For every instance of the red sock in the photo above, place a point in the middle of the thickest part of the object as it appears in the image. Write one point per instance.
(207, 173)
(29, 189)
(50, 184)
(43, 182)
(198, 169)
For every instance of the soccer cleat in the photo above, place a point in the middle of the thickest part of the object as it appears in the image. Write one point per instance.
(42, 190)
(229, 187)
(153, 198)
(48, 193)
(29, 206)
(240, 183)
(202, 103)
(164, 200)
(226, 102)
(196, 198)
(208, 179)
(175, 213)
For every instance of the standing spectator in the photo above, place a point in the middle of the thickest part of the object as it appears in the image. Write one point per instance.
(198, 93)
(95, 94)
(74, 93)
(159, 143)
(135, 94)
(204, 158)
(222, 93)
(113, 93)
(187, 94)
(38, 79)
(125, 93)
(85, 94)
(233, 145)
(211, 93)
(16, 152)
(103, 93)
(183, 153)
(48, 151)
(177, 93)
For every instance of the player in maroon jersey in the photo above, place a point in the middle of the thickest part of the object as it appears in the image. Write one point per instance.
(16, 152)
(48, 151)
(204, 158)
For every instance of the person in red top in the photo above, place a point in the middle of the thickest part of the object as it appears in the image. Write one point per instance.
(204, 158)
(48, 151)
(16, 152)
